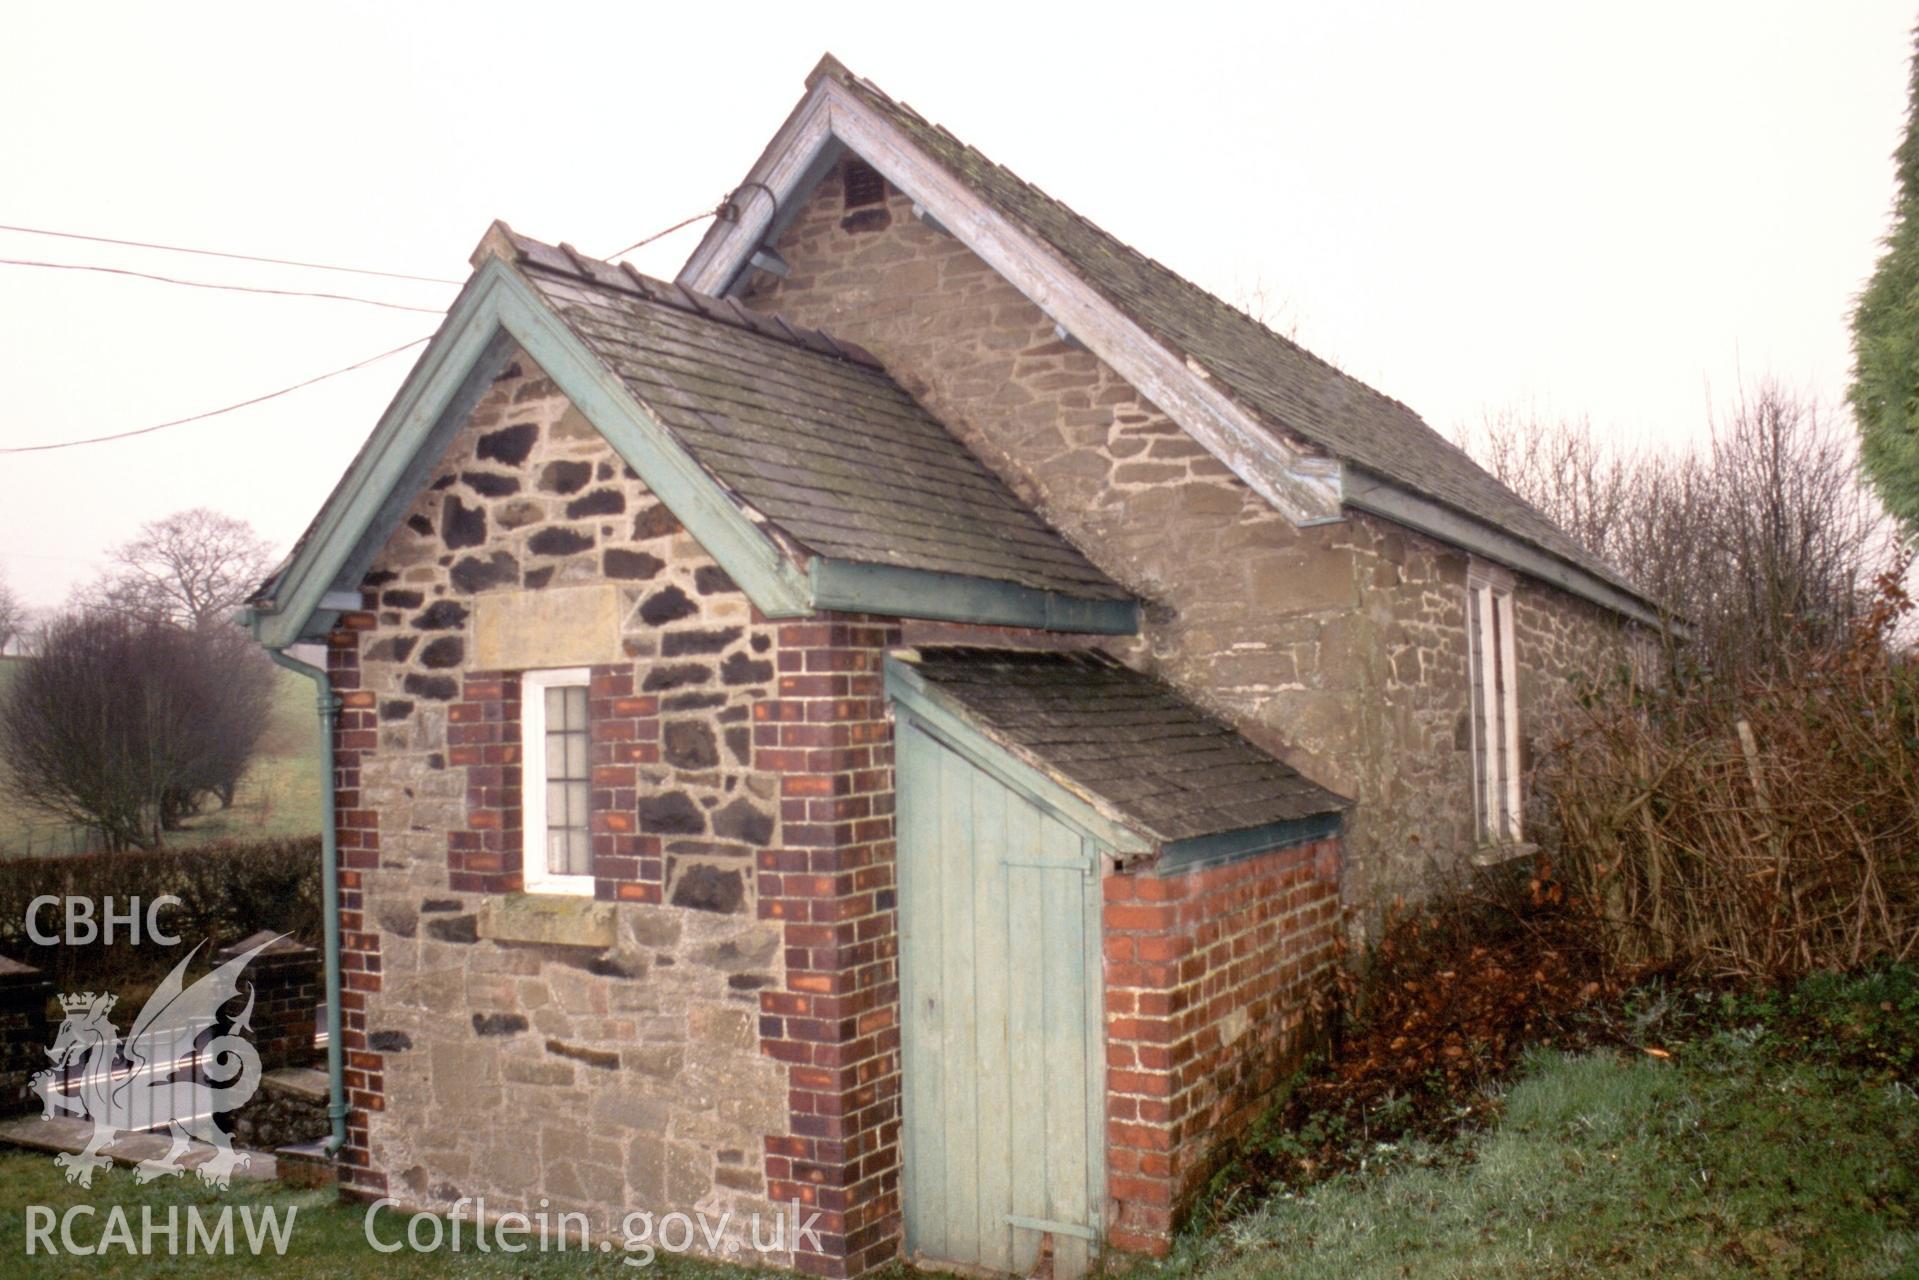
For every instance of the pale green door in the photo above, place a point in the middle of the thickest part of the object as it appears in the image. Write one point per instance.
(1004, 1117)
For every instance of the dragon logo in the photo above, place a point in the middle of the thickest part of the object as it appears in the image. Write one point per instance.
(133, 1087)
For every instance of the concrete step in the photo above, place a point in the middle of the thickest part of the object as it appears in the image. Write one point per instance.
(70, 1134)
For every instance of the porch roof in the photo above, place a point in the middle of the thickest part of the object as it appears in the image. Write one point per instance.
(1127, 743)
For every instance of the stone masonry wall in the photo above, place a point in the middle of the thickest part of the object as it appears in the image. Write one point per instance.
(1341, 648)
(1566, 644)
(1211, 984)
(611, 1059)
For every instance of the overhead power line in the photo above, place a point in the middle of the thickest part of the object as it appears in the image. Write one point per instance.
(213, 413)
(209, 284)
(271, 395)
(727, 211)
(216, 253)
(661, 235)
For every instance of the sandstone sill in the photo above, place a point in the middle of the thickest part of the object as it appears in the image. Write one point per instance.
(1498, 855)
(547, 918)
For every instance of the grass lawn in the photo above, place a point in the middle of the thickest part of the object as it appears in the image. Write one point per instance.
(326, 1240)
(1779, 1138)
(280, 795)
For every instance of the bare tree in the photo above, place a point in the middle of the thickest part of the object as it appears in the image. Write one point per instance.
(222, 699)
(1563, 470)
(1762, 543)
(13, 615)
(191, 568)
(1807, 539)
(125, 726)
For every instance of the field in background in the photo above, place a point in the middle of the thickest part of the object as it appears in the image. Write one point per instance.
(279, 797)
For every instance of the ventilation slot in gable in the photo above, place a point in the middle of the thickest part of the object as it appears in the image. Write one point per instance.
(864, 186)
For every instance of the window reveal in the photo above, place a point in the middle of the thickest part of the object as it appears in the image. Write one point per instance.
(557, 781)
(1495, 700)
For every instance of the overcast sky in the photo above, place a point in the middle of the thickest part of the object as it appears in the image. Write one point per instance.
(1608, 210)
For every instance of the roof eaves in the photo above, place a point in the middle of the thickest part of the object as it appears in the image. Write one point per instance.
(1385, 498)
(1197, 852)
(861, 587)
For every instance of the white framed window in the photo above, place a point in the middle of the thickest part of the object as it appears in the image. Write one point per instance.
(1490, 647)
(556, 781)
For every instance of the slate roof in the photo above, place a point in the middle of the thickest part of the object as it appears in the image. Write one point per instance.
(1289, 389)
(1130, 742)
(810, 432)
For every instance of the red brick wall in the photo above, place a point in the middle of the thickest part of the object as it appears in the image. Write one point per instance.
(483, 737)
(286, 981)
(1211, 978)
(836, 1023)
(355, 734)
(627, 864)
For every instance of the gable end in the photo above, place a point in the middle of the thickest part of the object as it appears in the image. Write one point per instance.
(1310, 440)
(830, 120)
(541, 311)
(496, 311)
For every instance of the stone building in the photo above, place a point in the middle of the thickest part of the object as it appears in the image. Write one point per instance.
(888, 722)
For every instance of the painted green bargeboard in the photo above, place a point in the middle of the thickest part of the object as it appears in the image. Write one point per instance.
(1004, 1066)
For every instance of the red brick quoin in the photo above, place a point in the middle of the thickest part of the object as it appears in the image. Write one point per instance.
(356, 732)
(831, 884)
(1210, 984)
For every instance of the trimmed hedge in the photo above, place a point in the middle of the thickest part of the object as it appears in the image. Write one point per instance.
(227, 891)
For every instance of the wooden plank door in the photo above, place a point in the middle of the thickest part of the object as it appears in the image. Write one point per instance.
(1004, 1064)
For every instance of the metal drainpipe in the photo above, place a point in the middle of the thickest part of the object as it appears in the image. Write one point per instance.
(329, 897)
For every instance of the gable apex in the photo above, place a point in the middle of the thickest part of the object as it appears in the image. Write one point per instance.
(498, 242)
(828, 67)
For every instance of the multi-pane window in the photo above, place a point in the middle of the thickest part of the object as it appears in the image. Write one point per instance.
(556, 781)
(1495, 682)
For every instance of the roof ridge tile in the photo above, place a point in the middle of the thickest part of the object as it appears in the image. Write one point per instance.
(565, 259)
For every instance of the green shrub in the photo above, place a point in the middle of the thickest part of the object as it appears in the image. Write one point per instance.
(226, 892)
